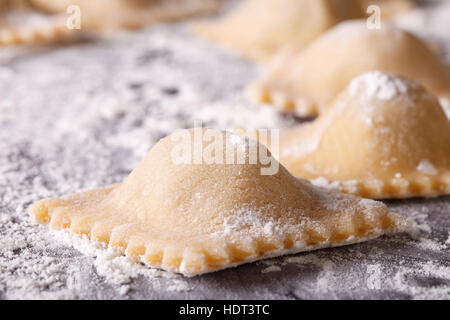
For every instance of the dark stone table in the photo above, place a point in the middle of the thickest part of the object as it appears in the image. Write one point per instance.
(82, 115)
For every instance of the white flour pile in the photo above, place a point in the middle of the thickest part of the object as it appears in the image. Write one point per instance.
(82, 116)
(379, 86)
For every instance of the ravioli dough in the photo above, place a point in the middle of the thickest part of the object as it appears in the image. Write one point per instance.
(19, 24)
(383, 137)
(38, 21)
(113, 14)
(258, 28)
(199, 218)
(306, 81)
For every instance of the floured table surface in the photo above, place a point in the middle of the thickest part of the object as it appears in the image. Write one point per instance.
(82, 115)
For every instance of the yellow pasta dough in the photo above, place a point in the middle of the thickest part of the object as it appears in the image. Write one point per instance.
(37, 21)
(19, 24)
(199, 217)
(258, 28)
(306, 81)
(113, 14)
(383, 137)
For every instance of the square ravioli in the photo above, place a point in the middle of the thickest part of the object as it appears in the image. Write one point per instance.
(195, 217)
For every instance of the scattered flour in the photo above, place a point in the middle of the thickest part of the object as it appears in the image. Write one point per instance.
(352, 186)
(372, 279)
(324, 183)
(111, 263)
(405, 276)
(271, 269)
(431, 244)
(71, 121)
(445, 103)
(425, 166)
